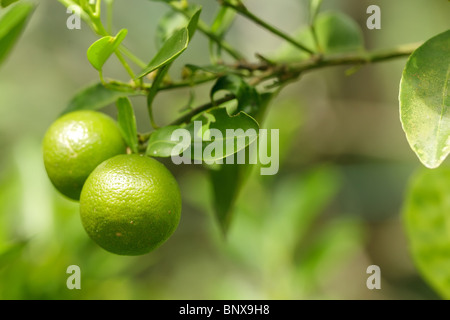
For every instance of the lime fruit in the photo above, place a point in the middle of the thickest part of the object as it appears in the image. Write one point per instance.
(130, 204)
(75, 144)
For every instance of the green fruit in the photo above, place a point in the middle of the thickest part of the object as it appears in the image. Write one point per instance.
(130, 204)
(75, 144)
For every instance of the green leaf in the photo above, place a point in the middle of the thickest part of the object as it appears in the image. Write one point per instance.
(425, 100)
(174, 46)
(127, 123)
(228, 178)
(5, 3)
(427, 223)
(94, 97)
(171, 49)
(161, 143)
(174, 21)
(223, 136)
(12, 24)
(100, 51)
(227, 181)
(247, 96)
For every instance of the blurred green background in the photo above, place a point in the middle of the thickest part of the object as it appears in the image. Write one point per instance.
(309, 232)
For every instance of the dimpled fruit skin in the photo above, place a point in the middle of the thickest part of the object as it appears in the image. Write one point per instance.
(130, 204)
(75, 144)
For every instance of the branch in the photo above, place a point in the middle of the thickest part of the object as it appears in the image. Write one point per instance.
(265, 70)
(288, 72)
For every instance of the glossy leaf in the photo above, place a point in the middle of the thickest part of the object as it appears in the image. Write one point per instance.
(427, 222)
(100, 51)
(94, 97)
(161, 143)
(127, 123)
(12, 24)
(425, 100)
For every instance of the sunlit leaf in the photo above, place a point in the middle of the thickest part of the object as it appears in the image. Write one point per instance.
(100, 51)
(425, 100)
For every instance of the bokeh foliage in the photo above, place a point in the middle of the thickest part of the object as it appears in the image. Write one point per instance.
(308, 232)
